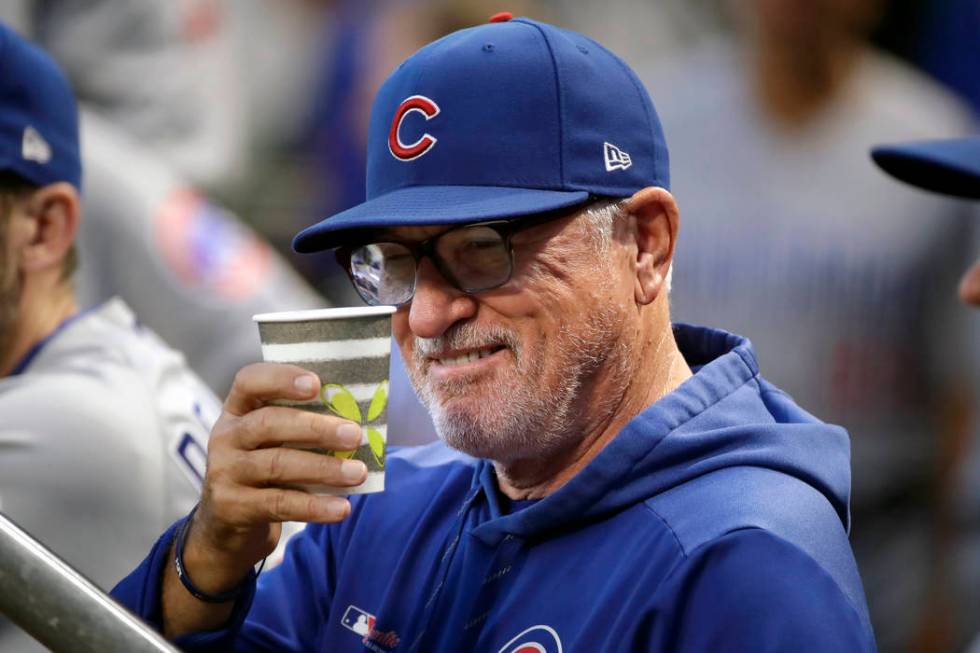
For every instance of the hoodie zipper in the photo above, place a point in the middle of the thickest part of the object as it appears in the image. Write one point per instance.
(446, 561)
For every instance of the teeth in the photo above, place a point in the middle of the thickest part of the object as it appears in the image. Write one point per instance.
(465, 358)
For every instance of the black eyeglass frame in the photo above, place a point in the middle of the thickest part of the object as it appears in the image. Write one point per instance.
(505, 228)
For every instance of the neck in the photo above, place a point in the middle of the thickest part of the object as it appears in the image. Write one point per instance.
(651, 369)
(794, 81)
(39, 312)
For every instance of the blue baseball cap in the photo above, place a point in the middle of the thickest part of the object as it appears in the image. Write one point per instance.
(38, 115)
(501, 121)
(950, 166)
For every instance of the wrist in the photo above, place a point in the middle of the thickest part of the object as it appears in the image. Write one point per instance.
(203, 576)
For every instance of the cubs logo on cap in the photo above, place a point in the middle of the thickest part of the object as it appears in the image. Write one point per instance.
(414, 104)
(497, 122)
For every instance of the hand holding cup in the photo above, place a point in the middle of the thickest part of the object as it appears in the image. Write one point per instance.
(297, 430)
(251, 486)
(253, 480)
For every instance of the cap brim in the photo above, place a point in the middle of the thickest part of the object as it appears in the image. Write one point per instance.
(432, 205)
(951, 167)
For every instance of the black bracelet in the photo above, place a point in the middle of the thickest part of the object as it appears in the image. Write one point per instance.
(198, 593)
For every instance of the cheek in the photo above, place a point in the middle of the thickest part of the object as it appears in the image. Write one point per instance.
(548, 282)
(554, 293)
(577, 284)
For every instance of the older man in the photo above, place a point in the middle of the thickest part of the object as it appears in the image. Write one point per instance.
(611, 483)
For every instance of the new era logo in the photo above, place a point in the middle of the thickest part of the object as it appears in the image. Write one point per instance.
(33, 147)
(616, 159)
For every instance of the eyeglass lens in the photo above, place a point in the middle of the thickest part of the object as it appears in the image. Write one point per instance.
(471, 258)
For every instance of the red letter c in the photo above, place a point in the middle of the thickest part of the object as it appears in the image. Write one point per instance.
(411, 151)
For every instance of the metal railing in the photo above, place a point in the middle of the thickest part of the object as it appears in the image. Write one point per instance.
(59, 607)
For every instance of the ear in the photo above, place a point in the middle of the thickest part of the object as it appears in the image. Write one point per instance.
(55, 210)
(657, 221)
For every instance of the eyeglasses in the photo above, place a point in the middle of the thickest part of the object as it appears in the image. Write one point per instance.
(473, 258)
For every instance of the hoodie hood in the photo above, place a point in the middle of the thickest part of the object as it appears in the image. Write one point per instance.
(725, 415)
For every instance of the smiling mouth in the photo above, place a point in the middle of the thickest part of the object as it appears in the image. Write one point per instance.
(464, 358)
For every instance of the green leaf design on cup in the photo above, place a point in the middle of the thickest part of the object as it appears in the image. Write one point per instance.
(378, 402)
(377, 443)
(340, 401)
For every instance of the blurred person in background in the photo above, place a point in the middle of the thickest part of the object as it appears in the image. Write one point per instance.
(194, 269)
(646, 31)
(837, 275)
(951, 167)
(162, 71)
(103, 428)
(940, 36)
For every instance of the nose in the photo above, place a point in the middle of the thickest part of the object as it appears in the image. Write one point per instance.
(437, 305)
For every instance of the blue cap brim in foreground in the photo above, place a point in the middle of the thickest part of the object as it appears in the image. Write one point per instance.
(501, 121)
(38, 115)
(950, 166)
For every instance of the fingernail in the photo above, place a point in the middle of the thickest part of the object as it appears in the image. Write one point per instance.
(350, 434)
(306, 384)
(352, 470)
(343, 508)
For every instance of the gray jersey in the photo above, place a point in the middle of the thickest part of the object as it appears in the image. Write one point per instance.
(192, 271)
(103, 437)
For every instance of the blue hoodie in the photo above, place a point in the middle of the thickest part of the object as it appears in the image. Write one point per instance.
(715, 521)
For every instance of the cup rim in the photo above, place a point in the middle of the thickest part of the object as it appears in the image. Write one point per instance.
(337, 313)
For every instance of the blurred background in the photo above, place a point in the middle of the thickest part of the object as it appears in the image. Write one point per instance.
(213, 130)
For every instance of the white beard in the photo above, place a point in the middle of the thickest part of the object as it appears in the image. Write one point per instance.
(520, 418)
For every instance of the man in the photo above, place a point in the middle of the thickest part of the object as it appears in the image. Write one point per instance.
(102, 427)
(951, 167)
(617, 484)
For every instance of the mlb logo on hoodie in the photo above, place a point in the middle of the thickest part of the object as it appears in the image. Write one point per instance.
(358, 620)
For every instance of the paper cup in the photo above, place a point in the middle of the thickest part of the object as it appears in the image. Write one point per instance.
(349, 349)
